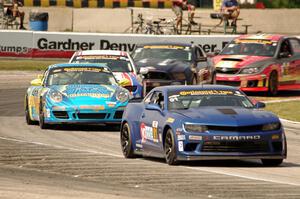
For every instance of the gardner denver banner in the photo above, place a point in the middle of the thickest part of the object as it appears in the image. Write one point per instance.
(63, 45)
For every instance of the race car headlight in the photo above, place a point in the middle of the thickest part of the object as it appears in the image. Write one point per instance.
(251, 70)
(271, 126)
(56, 96)
(122, 95)
(196, 128)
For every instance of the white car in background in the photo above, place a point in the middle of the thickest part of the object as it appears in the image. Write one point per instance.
(119, 62)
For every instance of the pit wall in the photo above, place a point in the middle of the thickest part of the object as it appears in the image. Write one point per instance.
(63, 44)
(118, 20)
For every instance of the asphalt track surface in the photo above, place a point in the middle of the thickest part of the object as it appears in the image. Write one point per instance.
(86, 162)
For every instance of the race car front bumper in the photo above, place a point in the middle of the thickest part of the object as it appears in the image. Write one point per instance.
(232, 145)
(258, 82)
(83, 114)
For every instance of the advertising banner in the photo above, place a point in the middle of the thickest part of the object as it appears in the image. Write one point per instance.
(63, 45)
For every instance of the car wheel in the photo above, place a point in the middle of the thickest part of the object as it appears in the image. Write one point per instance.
(27, 114)
(272, 162)
(169, 148)
(273, 84)
(126, 142)
(43, 125)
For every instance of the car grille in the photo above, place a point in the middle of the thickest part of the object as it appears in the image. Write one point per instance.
(230, 83)
(118, 115)
(227, 70)
(131, 88)
(91, 115)
(254, 128)
(61, 114)
(235, 146)
(157, 75)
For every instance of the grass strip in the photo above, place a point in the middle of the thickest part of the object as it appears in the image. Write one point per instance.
(27, 64)
(286, 110)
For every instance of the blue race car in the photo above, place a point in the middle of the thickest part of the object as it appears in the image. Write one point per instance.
(75, 93)
(181, 123)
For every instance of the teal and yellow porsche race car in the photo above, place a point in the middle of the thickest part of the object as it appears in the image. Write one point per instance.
(75, 93)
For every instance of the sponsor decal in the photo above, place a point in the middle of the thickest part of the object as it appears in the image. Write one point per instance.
(14, 49)
(95, 108)
(180, 146)
(165, 47)
(195, 137)
(44, 44)
(155, 131)
(147, 133)
(89, 91)
(236, 138)
(77, 69)
(180, 137)
(107, 45)
(260, 41)
(206, 92)
(170, 120)
(92, 57)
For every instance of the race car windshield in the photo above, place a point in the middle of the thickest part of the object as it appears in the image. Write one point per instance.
(266, 48)
(77, 75)
(181, 54)
(207, 98)
(116, 64)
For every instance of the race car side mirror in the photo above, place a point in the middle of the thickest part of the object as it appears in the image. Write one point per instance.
(153, 107)
(124, 82)
(36, 82)
(260, 105)
(284, 55)
(216, 52)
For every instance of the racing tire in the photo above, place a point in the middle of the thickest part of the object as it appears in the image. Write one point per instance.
(271, 162)
(273, 84)
(29, 121)
(42, 123)
(126, 142)
(170, 148)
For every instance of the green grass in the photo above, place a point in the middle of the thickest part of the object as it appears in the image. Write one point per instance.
(27, 64)
(286, 110)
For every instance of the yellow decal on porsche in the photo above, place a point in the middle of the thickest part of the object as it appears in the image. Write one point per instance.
(165, 47)
(206, 92)
(75, 69)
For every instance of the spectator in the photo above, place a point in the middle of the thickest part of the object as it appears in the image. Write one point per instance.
(231, 10)
(15, 12)
(178, 7)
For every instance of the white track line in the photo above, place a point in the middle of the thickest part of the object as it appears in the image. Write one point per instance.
(62, 147)
(211, 170)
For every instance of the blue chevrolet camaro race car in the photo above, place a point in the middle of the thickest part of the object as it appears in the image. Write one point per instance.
(75, 93)
(181, 123)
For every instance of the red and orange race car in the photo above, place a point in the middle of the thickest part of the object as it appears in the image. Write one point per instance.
(260, 63)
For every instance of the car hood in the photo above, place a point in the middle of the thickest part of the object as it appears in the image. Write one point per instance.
(86, 94)
(167, 65)
(227, 116)
(239, 61)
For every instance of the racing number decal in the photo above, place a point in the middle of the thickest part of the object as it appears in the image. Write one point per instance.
(148, 132)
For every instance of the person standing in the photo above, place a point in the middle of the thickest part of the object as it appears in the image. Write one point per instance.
(178, 7)
(231, 10)
(14, 10)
